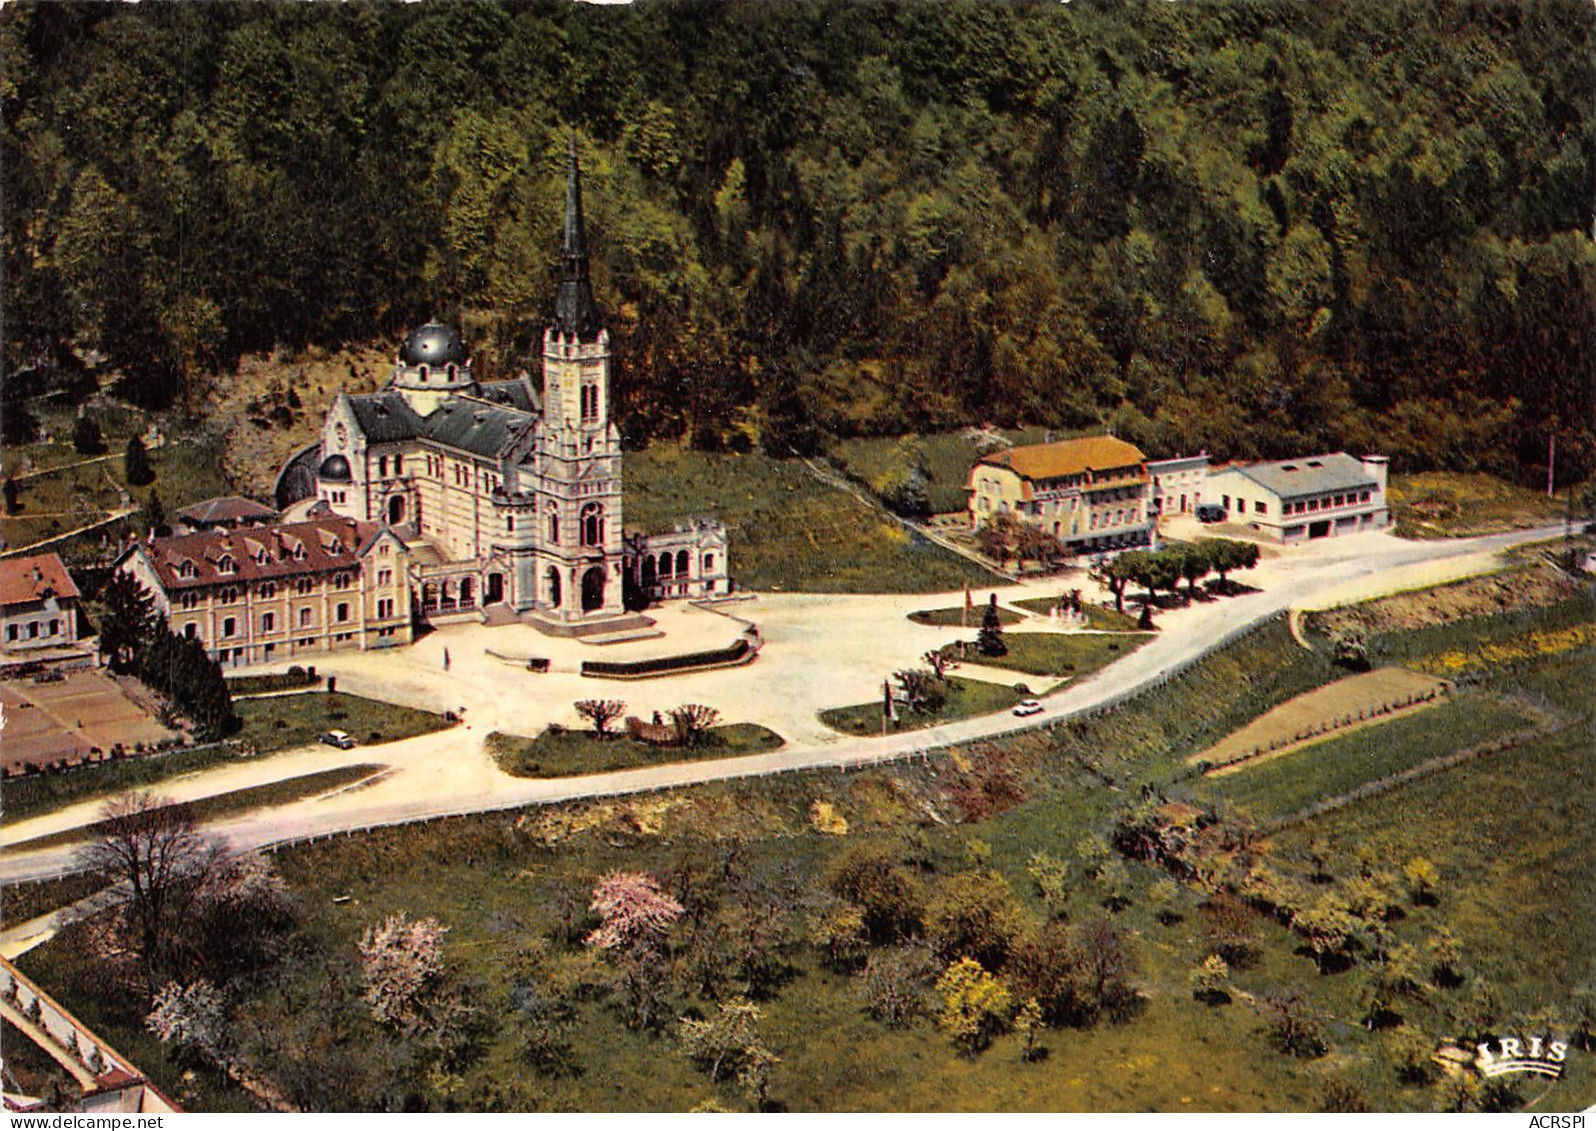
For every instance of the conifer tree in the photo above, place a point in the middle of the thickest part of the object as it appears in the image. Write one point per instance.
(989, 642)
(136, 465)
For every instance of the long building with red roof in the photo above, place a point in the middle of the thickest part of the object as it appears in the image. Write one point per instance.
(258, 594)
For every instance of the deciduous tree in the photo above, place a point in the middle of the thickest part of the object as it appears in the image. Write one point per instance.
(601, 713)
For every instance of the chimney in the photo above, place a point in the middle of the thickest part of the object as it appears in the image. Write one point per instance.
(1376, 467)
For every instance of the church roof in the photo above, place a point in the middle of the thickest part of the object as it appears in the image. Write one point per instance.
(1068, 457)
(472, 424)
(575, 311)
(517, 393)
(433, 344)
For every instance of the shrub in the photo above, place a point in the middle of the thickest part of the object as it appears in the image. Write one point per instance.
(975, 1005)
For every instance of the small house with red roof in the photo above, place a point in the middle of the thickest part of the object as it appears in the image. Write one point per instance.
(38, 606)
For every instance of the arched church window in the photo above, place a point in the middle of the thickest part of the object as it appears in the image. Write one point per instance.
(593, 524)
(423, 374)
(554, 526)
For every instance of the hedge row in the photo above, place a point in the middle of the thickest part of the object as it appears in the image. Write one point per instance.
(668, 663)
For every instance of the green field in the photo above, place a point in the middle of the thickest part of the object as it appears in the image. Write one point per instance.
(789, 532)
(948, 457)
(1068, 655)
(1454, 504)
(226, 804)
(968, 618)
(22, 902)
(1290, 782)
(569, 752)
(1104, 620)
(1507, 834)
(269, 725)
(280, 721)
(187, 469)
(965, 698)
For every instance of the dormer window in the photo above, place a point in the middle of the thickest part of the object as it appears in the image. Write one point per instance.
(187, 569)
(299, 551)
(224, 564)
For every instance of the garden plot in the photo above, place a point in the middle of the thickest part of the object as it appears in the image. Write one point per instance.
(47, 722)
(1376, 696)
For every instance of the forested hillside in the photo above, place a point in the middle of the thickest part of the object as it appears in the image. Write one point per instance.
(1255, 227)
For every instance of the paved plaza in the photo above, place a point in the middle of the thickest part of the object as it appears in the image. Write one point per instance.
(821, 651)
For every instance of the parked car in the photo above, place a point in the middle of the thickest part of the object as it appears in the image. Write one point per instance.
(1210, 512)
(1027, 707)
(339, 738)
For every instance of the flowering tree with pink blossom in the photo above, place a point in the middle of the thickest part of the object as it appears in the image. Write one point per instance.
(402, 959)
(632, 912)
(633, 918)
(191, 1017)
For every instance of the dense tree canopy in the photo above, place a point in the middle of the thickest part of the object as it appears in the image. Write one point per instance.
(1254, 227)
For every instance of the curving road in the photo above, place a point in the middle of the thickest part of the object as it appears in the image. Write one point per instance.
(447, 773)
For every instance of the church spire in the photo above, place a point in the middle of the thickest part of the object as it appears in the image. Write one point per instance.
(575, 312)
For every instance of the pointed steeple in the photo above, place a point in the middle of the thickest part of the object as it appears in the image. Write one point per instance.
(575, 312)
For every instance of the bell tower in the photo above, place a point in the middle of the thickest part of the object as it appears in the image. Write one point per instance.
(581, 556)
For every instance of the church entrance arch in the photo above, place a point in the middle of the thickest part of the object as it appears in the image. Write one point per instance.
(494, 592)
(593, 589)
(554, 588)
(396, 510)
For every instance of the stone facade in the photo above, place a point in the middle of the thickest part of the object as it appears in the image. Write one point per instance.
(278, 593)
(510, 492)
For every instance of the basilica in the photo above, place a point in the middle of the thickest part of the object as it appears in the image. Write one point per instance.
(506, 494)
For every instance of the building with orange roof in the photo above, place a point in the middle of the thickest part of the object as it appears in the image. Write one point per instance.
(1091, 493)
(38, 606)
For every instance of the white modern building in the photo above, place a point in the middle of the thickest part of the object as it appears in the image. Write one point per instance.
(1295, 500)
(1178, 483)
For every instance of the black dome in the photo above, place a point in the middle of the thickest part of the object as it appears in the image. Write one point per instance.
(433, 344)
(335, 469)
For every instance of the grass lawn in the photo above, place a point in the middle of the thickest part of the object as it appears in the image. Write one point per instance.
(1068, 655)
(22, 902)
(1299, 778)
(969, 618)
(1511, 838)
(1348, 697)
(269, 725)
(966, 697)
(948, 457)
(1509, 835)
(1104, 620)
(187, 469)
(571, 752)
(281, 721)
(1452, 504)
(789, 532)
(226, 804)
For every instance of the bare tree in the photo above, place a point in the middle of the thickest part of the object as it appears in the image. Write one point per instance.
(693, 721)
(601, 713)
(156, 849)
(940, 662)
